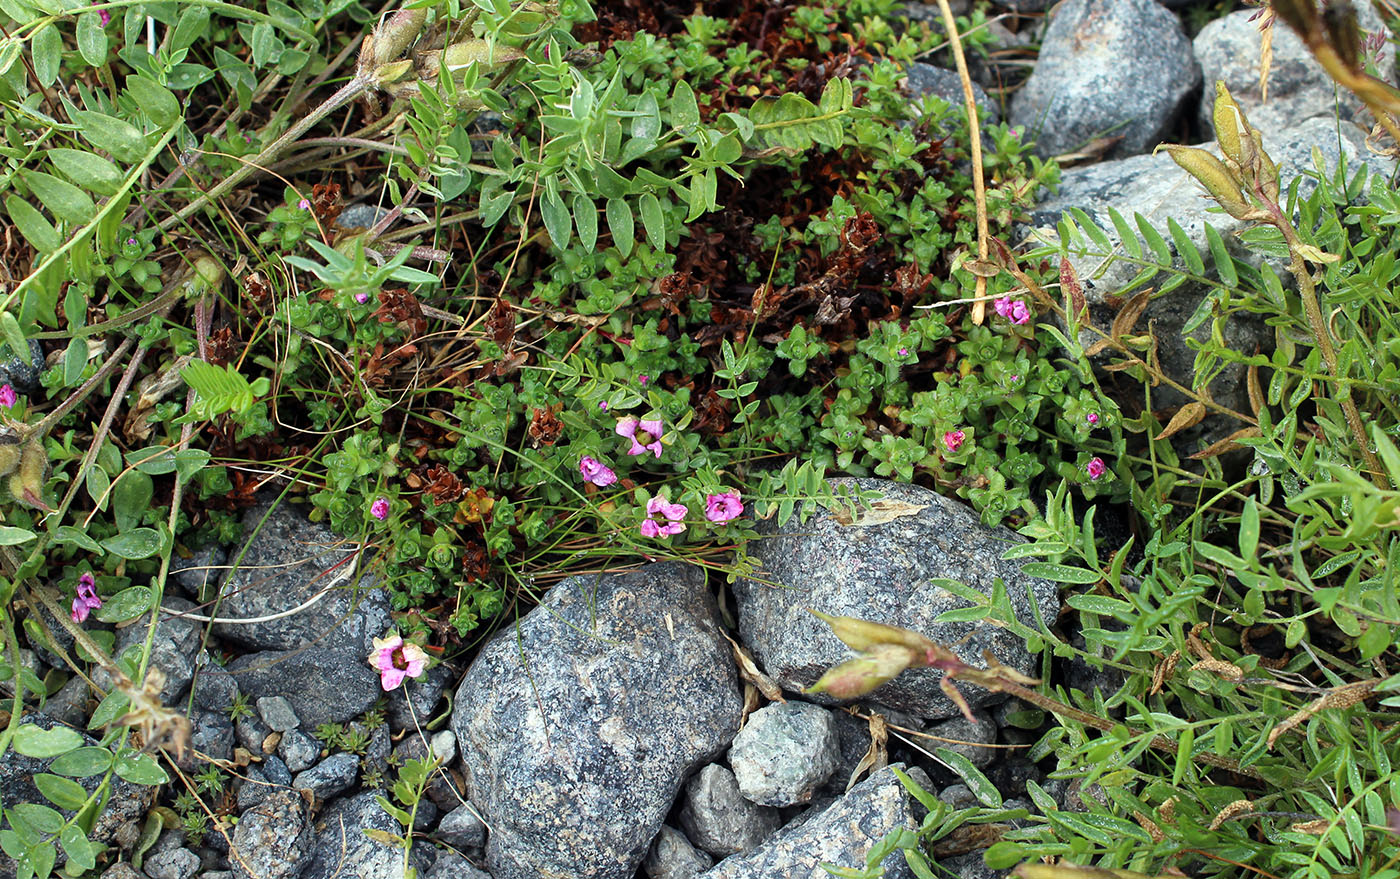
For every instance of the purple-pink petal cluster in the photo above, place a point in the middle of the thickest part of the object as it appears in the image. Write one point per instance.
(723, 507)
(669, 524)
(380, 508)
(1092, 418)
(1095, 468)
(86, 600)
(396, 659)
(645, 434)
(8, 397)
(953, 440)
(596, 471)
(1013, 310)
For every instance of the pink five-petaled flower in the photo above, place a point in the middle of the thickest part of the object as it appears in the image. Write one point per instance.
(1092, 418)
(87, 599)
(7, 396)
(644, 433)
(304, 204)
(1013, 310)
(723, 507)
(674, 513)
(396, 660)
(953, 440)
(1095, 468)
(379, 509)
(362, 297)
(596, 471)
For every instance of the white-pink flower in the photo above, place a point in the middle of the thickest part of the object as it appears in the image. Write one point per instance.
(723, 507)
(645, 434)
(396, 659)
(672, 513)
(596, 471)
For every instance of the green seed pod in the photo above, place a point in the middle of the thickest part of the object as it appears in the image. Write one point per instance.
(1343, 33)
(392, 38)
(856, 677)
(1213, 175)
(1229, 120)
(864, 635)
(26, 483)
(1267, 172)
(10, 451)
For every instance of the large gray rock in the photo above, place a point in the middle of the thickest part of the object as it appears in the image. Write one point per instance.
(333, 775)
(578, 725)
(272, 838)
(840, 835)
(717, 818)
(1157, 188)
(289, 561)
(1228, 48)
(343, 849)
(884, 572)
(1119, 67)
(784, 753)
(323, 685)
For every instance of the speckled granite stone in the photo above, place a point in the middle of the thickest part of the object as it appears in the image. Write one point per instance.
(884, 572)
(578, 724)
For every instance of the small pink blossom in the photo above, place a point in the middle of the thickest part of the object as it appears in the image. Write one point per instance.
(673, 513)
(596, 471)
(379, 509)
(1095, 468)
(1013, 310)
(7, 396)
(903, 352)
(642, 380)
(395, 660)
(644, 433)
(1092, 418)
(86, 599)
(723, 507)
(603, 405)
(953, 440)
(362, 298)
(304, 204)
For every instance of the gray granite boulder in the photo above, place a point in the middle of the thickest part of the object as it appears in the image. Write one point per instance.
(342, 848)
(323, 685)
(673, 857)
(173, 649)
(1228, 48)
(461, 828)
(1157, 188)
(964, 736)
(288, 562)
(333, 775)
(883, 571)
(578, 724)
(272, 838)
(925, 79)
(717, 817)
(839, 835)
(1107, 67)
(179, 863)
(784, 753)
(450, 865)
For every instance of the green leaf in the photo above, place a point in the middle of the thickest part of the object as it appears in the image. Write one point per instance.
(88, 170)
(684, 111)
(14, 336)
(1126, 234)
(131, 498)
(1154, 240)
(1249, 529)
(138, 543)
(586, 221)
(155, 460)
(622, 225)
(83, 762)
(121, 139)
(35, 741)
(92, 39)
(1185, 247)
(556, 219)
(127, 604)
(62, 792)
(139, 768)
(646, 125)
(46, 48)
(40, 817)
(12, 536)
(154, 99)
(75, 357)
(115, 705)
(98, 482)
(76, 536)
(33, 225)
(653, 220)
(188, 462)
(1224, 264)
(66, 201)
(81, 853)
(1060, 573)
(981, 787)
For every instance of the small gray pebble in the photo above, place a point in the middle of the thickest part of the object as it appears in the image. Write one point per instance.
(254, 790)
(298, 750)
(277, 713)
(276, 771)
(673, 857)
(180, 863)
(121, 870)
(426, 817)
(462, 829)
(251, 733)
(333, 775)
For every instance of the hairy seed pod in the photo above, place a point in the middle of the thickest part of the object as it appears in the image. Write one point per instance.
(856, 677)
(865, 635)
(1267, 172)
(1343, 33)
(10, 451)
(26, 483)
(1229, 120)
(1301, 15)
(392, 38)
(1213, 175)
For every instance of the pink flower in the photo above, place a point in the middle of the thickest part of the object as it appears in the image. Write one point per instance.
(396, 660)
(903, 352)
(723, 507)
(1013, 310)
(673, 513)
(1092, 418)
(362, 298)
(603, 405)
(596, 471)
(1095, 468)
(644, 433)
(304, 205)
(379, 509)
(953, 440)
(86, 599)
(642, 380)
(7, 396)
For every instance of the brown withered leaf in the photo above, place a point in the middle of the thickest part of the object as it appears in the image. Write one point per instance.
(544, 427)
(1343, 696)
(1256, 392)
(500, 324)
(877, 756)
(749, 671)
(1073, 290)
(880, 512)
(969, 838)
(1238, 807)
(1220, 447)
(1162, 671)
(1189, 415)
(443, 485)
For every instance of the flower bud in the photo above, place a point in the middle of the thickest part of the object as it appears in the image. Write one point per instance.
(392, 38)
(1213, 175)
(856, 677)
(1229, 120)
(26, 483)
